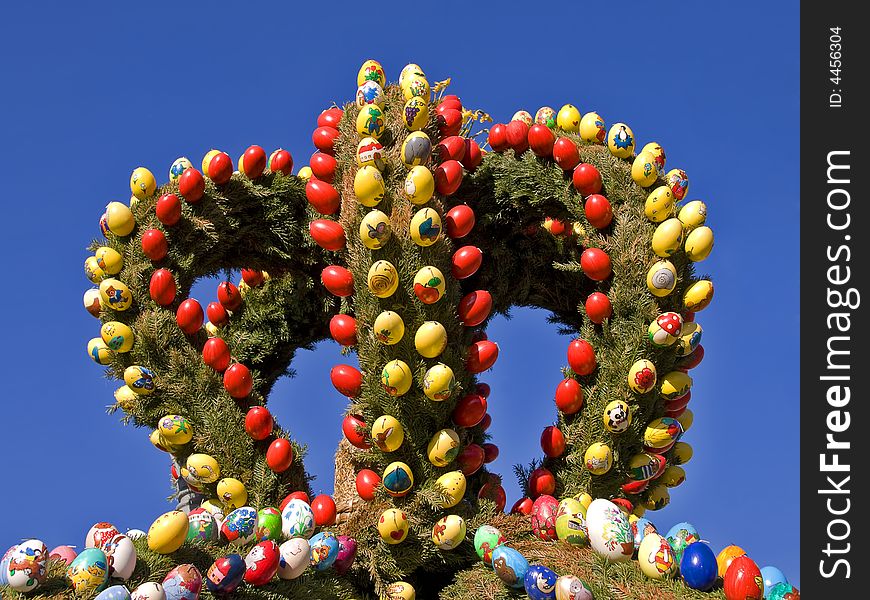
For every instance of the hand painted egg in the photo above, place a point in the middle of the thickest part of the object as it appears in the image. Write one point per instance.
(693, 214)
(425, 228)
(201, 526)
(681, 453)
(203, 468)
(486, 539)
(304, 173)
(410, 70)
(686, 419)
(150, 590)
(643, 169)
(666, 329)
(544, 513)
(64, 554)
(109, 260)
(661, 279)
(371, 70)
(640, 528)
(598, 458)
(93, 271)
(268, 524)
(216, 507)
(449, 532)
(370, 153)
(675, 384)
(673, 476)
(119, 219)
(383, 279)
(620, 140)
(695, 299)
(657, 498)
(547, 116)
(139, 379)
(393, 526)
(658, 153)
(784, 591)
(659, 205)
(416, 114)
(617, 416)
(430, 339)
(443, 447)
(668, 237)
(116, 592)
(400, 590)
(454, 484)
(571, 526)
(540, 583)
(642, 376)
(121, 555)
(656, 558)
(225, 574)
(26, 568)
(184, 582)
(681, 535)
(743, 580)
(232, 493)
(118, 336)
(690, 338)
(4, 565)
(371, 121)
(569, 119)
(726, 557)
(523, 116)
(429, 285)
(699, 244)
(324, 550)
(698, 566)
(398, 479)
(347, 547)
(387, 433)
(415, 86)
(609, 530)
(510, 566)
(297, 519)
(91, 301)
(396, 378)
(569, 587)
(375, 230)
(416, 149)
(126, 398)
(99, 351)
(771, 576)
(179, 166)
(89, 572)
(370, 92)
(661, 434)
(678, 181)
(368, 186)
(175, 429)
(419, 185)
(168, 532)
(240, 526)
(439, 382)
(389, 328)
(295, 556)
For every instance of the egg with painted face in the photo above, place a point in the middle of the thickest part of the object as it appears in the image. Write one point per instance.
(609, 530)
(699, 244)
(240, 526)
(396, 378)
(201, 526)
(388, 328)
(696, 298)
(295, 558)
(443, 447)
(430, 339)
(510, 566)
(416, 149)
(297, 519)
(429, 286)
(656, 557)
(375, 230)
(693, 214)
(324, 550)
(642, 376)
(661, 279)
(203, 468)
(371, 121)
(117, 335)
(184, 582)
(370, 92)
(398, 479)
(425, 228)
(419, 185)
(617, 416)
(416, 113)
(121, 555)
(668, 237)
(453, 486)
(150, 590)
(89, 572)
(448, 532)
(690, 338)
(168, 532)
(225, 574)
(540, 583)
(393, 526)
(232, 493)
(659, 205)
(27, 564)
(641, 527)
(439, 382)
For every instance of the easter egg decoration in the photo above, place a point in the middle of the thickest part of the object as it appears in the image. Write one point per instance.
(569, 587)
(459, 221)
(668, 237)
(596, 264)
(425, 227)
(368, 186)
(383, 279)
(281, 161)
(400, 590)
(783, 591)
(617, 416)
(644, 170)
(698, 566)
(370, 153)
(449, 532)
(295, 556)
(115, 592)
(661, 434)
(371, 121)
(598, 211)
(175, 429)
(347, 380)
(726, 557)
(699, 244)
(419, 185)
(225, 574)
(324, 550)
(415, 113)
(139, 379)
(268, 523)
(367, 483)
(398, 479)
(430, 340)
(772, 576)
(439, 382)
(184, 582)
(202, 526)
(342, 328)
(387, 433)
(26, 569)
(89, 572)
(571, 524)
(375, 230)
(543, 515)
(347, 547)
(540, 583)
(666, 329)
(117, 336)
(598, 458)
(396, 378)
(620, 140)
(678, 181)
(743, 580)
(388, 328)
(240, 526)
(568, 118)
(443, 447)
(510, 566)
(659, 205)
(354, 429)
(486, 539)
(120, 219)
(99, 351)
(681, 535)
(393, 526)
(429, 285)
(693, 214)
(592, 128)
(610, 532)
(168, 532)
(179, 166)
(566, 154)
(656, 558)
(297, 519)
(661, 279)
(279, 455)
(697, 297)
(416, 149)
(370, 92)
(91, 301)
(581, 357)
(453, 485)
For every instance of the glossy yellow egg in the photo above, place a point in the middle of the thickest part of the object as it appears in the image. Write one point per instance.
(675, 384)
(206, 160)
(140, 380)
(425, 228)
(659, 204)
(592, 128)
(678, 181)
(547, 116)
(393, 526)
(656, 558)
(697, 297)
(416, 149)
(668, 237)
(681, 453)
(93, 271)
(658, 153)
(119, 218)
(598, 458)
(523, 116)
(570, 506)
(371, 70)
(419, 185)
(617, 416)
(443, 447)
(410, 70)
(439, 382)
(400, 590)
(142, 183)
(643, 169)
(620, 140)
(416, 114)
(213, 506)
(109, 260)
(396, 378)
(693, 214)
(115, 294)
(429, 284)
(179, 166)
(686, 419)
(371, 121)
(304, 173)
(568, 118)
(375, 230)
(175, 429)
(430, 339)
(642, 376)
(161, 444)
(415, 86)
(168, 532)
(232, 493)
(585, 499)
(690, 338)
(658, 498)
(370, 152)
(387, 433)
(389, 328)
(211, 329)
(449, 532)
(661, 279)
(99, 352)
(383, 279)
(397, 479)
(453, 483)
(699, 244)
(673, 476)
(203, 468)
(661, 433)
(126, 398)
(368, 186)
(117, 335)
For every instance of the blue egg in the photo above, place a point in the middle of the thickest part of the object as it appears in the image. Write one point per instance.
(540, 583)
(116, 592)
(510, 566)
(781, 591)
(640, 528)
(225, 574)
(698, 566)
(324, 550)
(772, 576)
(681, 535)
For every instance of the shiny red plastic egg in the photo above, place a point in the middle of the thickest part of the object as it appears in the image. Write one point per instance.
(490, 452)
(565, 154)
(281, 161)
(470, 459)
(216, 354)
(481, 356)
(279, 456)
(451, 148)
(238, 381)
(329, 235)
(598, 211)
(466, 261)
(493, 491)
(323, 166)
(253, 162)
(598, 307)
(482, 389)
(168, 209)
(459, 221)
(162, 287)
(449, 121)
(474, 308)
(220, 168)
(191, 185)
(323, 507)
(229, 296)
(553, 441)
(450, 101)
(330, 117)
(469, 411)
(595, 264)
(259, 423)
(354, 429)
(342, 328)
(253, 277)
(367, 483)
(541, 482)
(189, 316)
(324, 138)
(743, 580)
(586, 179)
(498, 137)
(338, 280)
(523, 506)
(569, 396)
(154, 244)
(473, 155)
(518, 136)
(217, 314)
(448, 177)
(322, 196)
(541, 140)
(581, 357)
(347, 380)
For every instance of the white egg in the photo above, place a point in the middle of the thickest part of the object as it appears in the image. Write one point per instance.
(149, 590)
(609, 531)
(121, 555)
(135, 534)
(295, 556)
(26, 570)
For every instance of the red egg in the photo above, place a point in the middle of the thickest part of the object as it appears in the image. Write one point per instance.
(482, 389)
(229, 296)
(322, 196)
(329, 235)
(581, 357)
(448, 177)
(281, 161)
(470, 459)
(679, 402)
(487, 421)
(253, 162)
(259, 423)
(450, 101)
(587, 179)
(355, 430)
(330, 117)
(473, 155)
(168, 209)
(262, 563)
(553, 441)
(367, 483)
(323, 166)
(347, 380)
(449, 121)
(598, 307)
(569, 396)
(634, 487)
(191, 185)
(466, 262)
(493, 491)
(154, 244)
(565, 153)
(189, 316)
(469, 411)
(298, 495)
(451, 148)
(474, 308)
(595, 264)
(279, 456)
(459, 221)
(238, 381)
(324, 138)
(541, 140)
(323, 507)
(624, 504)
(692, 360)
(342, 328)
(544, 512)
(541, 482)
(743, 580)
(490, 452)
(253, 277)
(556, 226)
(162, 287)
(338, 280)
(220, 168)
(518, 136)
(216, 354)
(498, 137)
(217, 314)
(523, 506)
(598, 211)
(481, 356)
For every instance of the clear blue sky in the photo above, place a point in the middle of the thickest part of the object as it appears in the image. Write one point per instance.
(90, 94)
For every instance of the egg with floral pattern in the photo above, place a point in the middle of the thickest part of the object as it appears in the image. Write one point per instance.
(240, 526)
(297, 519)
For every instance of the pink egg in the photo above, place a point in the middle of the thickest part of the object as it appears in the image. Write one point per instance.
(64, 553)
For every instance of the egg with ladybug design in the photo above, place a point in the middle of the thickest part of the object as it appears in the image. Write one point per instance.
(324, 550)
(665, 330)
(375, 230)
(486, 539)
(443, 447)
(370, 92)
(297, 519)
(416, 149)
(690, 338)
(425, 228)
(617, 416)
(240, 526)
(661, 279)
(393, 526)
(398, 479)
(449, 532)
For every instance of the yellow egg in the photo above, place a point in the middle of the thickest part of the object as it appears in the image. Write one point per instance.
(668, 237)
(675, 384)
(443, 447)
(449, 532)
(368, 186)
(661, 279)
(425, 228)
(690, 337)
(175, 429)
(416, 149)
(693, 214)
(570, 506)
(430, 339)
(396, 378)
(681, 453)
(117, 335)
(93, 271)
(429, 284)
(371, 70)
(678, 181)
(416, 114)
(400, 590)
(375, 230)
(439, 382)
(398, 479)
(206, 160)
(419, 185)
(115, 294)
(568, 118)
(371, 121)
(598, 458)
(389, 328)
(658, 153)
(142, 183)
(410, 70)
(453, 483)
(617, 416)
(643, 169)
(119, 218)
(661, 433)
(657, 498)
(393, 526)
(620, 140)
(126, 398)
(232, 493)
(140, 380)
(168, 532)
(415, 86)
(370, 153)
(585, 499)
(161, 444)
(656, 558)
(659, 204)
(203, 468)
(673, 476)
(698, 296)
(387, 433)
(109, 259)
(383, 279)
(179, 166)
(642, 376)
(304, 173)
(592, 128)
(211, 329)
(99, 351)
(213, 506)
(686, 419)
(699, 243)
